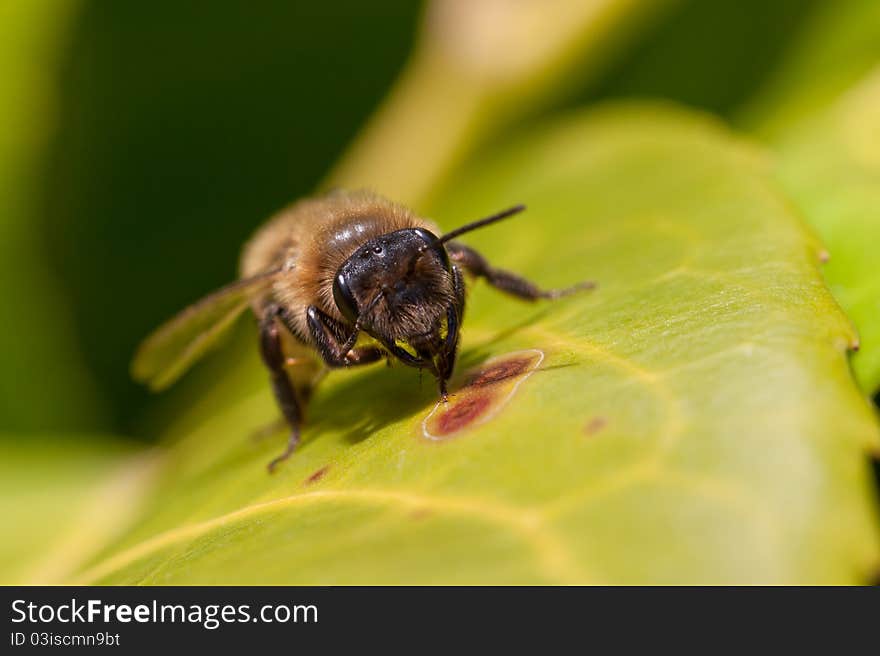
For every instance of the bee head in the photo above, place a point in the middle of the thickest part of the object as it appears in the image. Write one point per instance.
(401, 289)
(398, 288)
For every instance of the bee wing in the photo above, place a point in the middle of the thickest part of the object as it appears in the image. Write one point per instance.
(171, 349)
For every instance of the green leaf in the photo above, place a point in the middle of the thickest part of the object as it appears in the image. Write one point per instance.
(66, 497)
(821, 113)
(693, 420)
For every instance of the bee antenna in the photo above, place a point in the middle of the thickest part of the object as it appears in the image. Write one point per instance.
(474, 225)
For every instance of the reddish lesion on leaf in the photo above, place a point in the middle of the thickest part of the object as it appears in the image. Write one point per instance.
(317, 475)
(421, 513)
(485, 392)
(463, 412)
(500, 370)
(595, 425)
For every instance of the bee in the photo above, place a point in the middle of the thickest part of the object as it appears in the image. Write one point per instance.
(341, 280)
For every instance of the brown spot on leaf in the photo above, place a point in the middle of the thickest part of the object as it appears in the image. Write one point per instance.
(462, 413)
(499, 371)
(318, 475)
(595, 425)
(421, 513)
(485, 392)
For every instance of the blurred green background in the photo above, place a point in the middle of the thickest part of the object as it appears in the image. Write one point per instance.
(172, 130)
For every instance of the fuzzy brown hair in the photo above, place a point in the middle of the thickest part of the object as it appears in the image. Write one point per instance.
(311, 239)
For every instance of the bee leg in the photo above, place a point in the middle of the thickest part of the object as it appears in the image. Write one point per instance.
(333, 347)
(454, 315)
(505, 280)
(285, 395)
(459, 290)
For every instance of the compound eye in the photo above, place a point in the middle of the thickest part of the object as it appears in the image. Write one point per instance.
(344, 299)
(437, 248)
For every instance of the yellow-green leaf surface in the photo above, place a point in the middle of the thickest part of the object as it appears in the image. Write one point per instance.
(62, 499)
(692, 420)
(821, 113)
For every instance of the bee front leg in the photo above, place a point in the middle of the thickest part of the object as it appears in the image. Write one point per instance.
(333, 347)
(285, 395)
(454, 315)
(506, 281)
